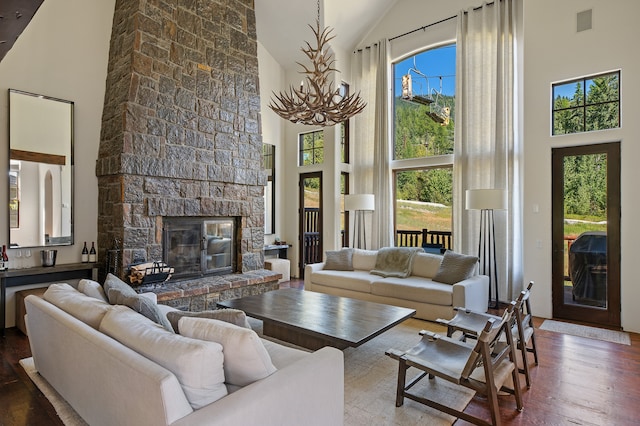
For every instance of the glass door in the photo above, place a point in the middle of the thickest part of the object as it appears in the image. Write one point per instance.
(310, 219)
(586, 233)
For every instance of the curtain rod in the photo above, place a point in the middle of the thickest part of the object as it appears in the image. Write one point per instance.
(423, 27)
(436, 23)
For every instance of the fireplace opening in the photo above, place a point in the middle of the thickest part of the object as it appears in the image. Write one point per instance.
(197, 246)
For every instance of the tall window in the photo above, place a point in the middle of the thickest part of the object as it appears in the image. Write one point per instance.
(424, 104)
(344, 215)
(424, 116)
(587, 104)
(311, 148)
(344, 129)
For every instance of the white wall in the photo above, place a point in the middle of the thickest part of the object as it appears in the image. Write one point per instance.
(271, 76)
(63, 53)
(555, 51)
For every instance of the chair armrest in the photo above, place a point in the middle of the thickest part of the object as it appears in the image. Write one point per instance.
(472, 293)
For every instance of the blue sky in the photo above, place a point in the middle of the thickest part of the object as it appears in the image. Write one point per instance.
(432, 63)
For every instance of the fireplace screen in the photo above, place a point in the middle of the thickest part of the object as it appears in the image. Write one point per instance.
(199, 246)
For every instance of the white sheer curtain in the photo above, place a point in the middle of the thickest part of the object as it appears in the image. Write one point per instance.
(371, 148)
(487, 152)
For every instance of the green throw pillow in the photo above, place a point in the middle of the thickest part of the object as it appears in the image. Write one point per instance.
(455, 267)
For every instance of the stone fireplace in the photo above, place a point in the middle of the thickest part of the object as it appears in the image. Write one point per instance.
(181, 127)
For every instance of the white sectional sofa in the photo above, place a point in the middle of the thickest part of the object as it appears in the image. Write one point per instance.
(431, 299)
(115, 366)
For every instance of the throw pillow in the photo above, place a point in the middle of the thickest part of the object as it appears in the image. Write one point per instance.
(198, 365)
(116, 283)
(395, 261)
(141, 305)
(245, 357)
(364, 260)
(339, 260)
(233, 316)
(84, 308)
(455, 267)
(92, 289)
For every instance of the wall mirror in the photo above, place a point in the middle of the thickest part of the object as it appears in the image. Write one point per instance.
(40, 170)
(269, 165)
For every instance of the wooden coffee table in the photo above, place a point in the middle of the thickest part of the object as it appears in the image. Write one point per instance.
(314, 320)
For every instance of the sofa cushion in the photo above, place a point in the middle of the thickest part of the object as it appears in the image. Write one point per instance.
(85, 308)
(364, 260)
(113, 282)
(426, 265)
(245, 357)
(233, 316)
(92, 289)
(356, 280)
(197, 364)
(416, 289)
(455, 267)
(282, 355)
(339, 260)
(141, 304)
(394, 261)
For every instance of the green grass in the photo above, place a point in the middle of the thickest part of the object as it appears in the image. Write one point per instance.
(415, 216)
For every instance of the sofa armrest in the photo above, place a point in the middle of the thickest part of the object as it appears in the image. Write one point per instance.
(308, 270)
(315, 383)
(472, 293)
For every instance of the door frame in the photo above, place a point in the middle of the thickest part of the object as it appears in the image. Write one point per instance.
(610, 316)
(301, 217)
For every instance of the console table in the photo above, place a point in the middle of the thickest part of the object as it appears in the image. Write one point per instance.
(41, 274)
(280, 249)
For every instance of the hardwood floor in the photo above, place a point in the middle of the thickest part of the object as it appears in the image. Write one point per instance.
(578, 382)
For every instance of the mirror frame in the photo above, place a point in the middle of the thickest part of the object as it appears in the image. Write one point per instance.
(26, 155)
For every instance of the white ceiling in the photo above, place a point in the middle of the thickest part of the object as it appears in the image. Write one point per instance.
(282, 25)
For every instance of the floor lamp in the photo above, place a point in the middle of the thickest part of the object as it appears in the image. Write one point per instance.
(487, 200)
(359, 203)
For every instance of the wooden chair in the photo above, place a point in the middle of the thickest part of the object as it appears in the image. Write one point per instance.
(470, 324)
(484, 367)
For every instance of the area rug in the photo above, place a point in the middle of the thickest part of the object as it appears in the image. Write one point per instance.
(371, 378)
(586, 331)
(370, 383)
(67, 414)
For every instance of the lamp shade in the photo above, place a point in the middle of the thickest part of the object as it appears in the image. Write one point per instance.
(359, 202)
(486, 199)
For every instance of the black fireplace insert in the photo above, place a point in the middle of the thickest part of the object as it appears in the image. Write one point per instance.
(197, 246)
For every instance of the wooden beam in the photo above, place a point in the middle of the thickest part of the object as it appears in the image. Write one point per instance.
(38, 157)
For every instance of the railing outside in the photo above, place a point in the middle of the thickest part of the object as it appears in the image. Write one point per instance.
(415, 238)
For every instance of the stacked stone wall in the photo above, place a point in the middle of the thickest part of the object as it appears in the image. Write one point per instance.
(181, 125)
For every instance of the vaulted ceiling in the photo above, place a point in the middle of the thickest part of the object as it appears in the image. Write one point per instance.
(14, 18)
(283, 24)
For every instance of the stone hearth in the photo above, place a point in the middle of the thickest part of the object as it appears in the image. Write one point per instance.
(181, 127)
(201, 294)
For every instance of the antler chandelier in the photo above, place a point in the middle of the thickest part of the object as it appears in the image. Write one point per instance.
(318, 102)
